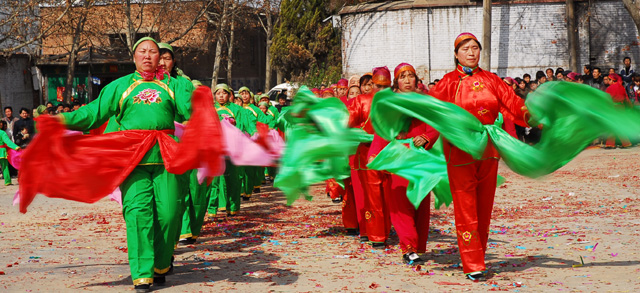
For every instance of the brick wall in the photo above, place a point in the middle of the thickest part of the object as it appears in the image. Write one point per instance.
(16, 86)
(525, 37)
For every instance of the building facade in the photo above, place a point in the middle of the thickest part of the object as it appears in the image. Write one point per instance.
(526, 36)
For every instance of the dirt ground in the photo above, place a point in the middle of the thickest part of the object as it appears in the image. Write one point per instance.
(575, 230)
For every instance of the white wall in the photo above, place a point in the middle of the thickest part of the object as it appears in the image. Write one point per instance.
(525, 37)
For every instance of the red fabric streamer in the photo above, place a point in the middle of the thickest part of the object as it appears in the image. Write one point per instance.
(87, 168)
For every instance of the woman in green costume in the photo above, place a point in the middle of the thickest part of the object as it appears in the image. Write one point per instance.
(271, 118)
(225, 190)
(5, 142)
(196, 197)
(251, 176)
(151, 197)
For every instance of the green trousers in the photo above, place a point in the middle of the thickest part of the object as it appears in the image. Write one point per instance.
(152, 200)
(4, 164)
(270, 172)
(251, 177)
(225, 191)
(196, 203)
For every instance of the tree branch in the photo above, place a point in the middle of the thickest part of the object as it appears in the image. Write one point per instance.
(196, 20)
(43, 34)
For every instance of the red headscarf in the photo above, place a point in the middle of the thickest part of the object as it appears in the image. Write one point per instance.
(464, 36)
(381, 76)
(616, 90)
(402, 67)
(343, 84)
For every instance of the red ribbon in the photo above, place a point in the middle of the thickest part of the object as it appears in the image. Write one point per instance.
(158, 74)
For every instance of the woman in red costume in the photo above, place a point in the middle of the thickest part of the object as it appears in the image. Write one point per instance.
(341, 88)
(366, 83)
(373, 214)
(351, 184)
(620, 97)
(473, 182)
(411, 225)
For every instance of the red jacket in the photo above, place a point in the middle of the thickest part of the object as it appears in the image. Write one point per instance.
(484, 95)
(359, 111)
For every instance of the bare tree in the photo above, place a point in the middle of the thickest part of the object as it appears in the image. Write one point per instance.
(230, 43)
(634, 11)
(80, 19)
(220, 21)
(20, 24)
(144, 18)
(269, 12)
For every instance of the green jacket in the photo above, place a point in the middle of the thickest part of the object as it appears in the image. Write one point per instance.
(243, 118)
(136, 104)
(5, 142)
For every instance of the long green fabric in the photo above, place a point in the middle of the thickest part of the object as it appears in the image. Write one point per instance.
(319, 143)
(573, 115)
(426, 170)
(413, 163)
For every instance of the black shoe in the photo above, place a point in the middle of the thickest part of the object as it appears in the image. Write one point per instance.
(412, 258)
(476, 277)
(337, 199)
(352, 232)
(187, 241)
(256, 190)
(159, 280)
(142, 288)
(378, 245)
(364, 239)
(246, 198)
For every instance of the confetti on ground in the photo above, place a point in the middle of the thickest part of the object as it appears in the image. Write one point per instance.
(534, 244)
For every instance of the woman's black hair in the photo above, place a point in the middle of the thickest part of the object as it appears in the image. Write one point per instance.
(364, 79)
(173, 72)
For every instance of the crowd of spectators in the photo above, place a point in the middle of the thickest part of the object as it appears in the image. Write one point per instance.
(623, 86)
(22, 128)
(592, 76)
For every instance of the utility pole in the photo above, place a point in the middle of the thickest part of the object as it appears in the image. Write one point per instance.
(571, 36)
(485, 56)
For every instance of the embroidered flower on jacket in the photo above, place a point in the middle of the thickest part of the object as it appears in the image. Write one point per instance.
(477, 86)
(482, 111)
(147, 96)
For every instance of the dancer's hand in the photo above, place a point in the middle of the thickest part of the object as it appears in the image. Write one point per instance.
(419, 141)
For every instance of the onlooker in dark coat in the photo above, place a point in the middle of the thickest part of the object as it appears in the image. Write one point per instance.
(597, 80)
(627, 71)
(24, 123)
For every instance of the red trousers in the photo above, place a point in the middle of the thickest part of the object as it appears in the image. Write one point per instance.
(376, 185)
(334, 189)
(411, 225)
(358, 194)
(349, 214)
(624, 141)
(473, 187)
